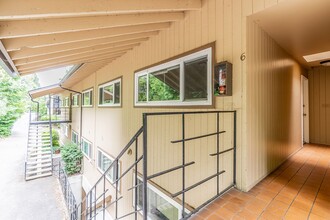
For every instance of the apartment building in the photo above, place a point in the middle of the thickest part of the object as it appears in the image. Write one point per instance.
(211, 94)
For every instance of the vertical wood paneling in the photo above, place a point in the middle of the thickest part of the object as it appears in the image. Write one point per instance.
(262, 144)
(319, 105)
(273, 100)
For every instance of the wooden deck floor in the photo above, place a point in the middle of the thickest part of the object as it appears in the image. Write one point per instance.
(299, 189)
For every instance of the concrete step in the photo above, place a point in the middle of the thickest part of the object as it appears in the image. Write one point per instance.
(38, 176)
(39, 157)
(29, 172)
(36, 166)
(38, 162)
(34, 149)
(39, 153)
(38, 143)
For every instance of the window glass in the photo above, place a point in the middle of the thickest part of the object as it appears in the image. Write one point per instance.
(75, 100)
(109, 93)
(181, 82)
(195, 78)
(87, 98)
(104, 163)
(74, 137)
(158, 207)
(165, 84)
(142, 88)
(87, 148)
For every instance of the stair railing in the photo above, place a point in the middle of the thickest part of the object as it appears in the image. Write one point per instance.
(91, 200)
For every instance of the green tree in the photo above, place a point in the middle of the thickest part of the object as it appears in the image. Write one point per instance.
(13, 99)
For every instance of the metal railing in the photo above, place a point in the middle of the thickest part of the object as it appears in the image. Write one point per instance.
(69, 197)
(95, 203)
(55, 112)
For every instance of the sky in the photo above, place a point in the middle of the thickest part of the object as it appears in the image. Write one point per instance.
(53, 76)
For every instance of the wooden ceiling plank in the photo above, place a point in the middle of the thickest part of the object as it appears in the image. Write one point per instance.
(55, 49)
(25, 28)
(32, 9)
(72, 53)
(63, 38)
(63, 64)
(66, 59)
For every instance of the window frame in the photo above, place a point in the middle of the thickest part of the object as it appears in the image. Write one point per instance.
(112, 82)
(110, 158)
(159, 192)
(208, 52)
(91, 96)
(90, 148)
(78, 102)
(77, 139)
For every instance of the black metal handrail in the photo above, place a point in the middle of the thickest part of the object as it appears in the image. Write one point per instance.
(91, 197)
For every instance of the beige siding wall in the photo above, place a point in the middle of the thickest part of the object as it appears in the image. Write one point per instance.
(273, 104)
(319, 105)
(266, 96)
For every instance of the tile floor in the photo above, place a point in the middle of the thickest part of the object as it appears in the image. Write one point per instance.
(299, 189)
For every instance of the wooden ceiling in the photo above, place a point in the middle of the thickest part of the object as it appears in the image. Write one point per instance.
(39, 35)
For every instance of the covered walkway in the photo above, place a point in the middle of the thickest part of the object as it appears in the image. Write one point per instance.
(32, 200)
(299, 189)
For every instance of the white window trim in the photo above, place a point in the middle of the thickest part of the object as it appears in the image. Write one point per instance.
(89, 157)
(76, 95)
(161, 194)
(179, 61)
(101, 171)
(86, 91)
(76, 133)
(107, 84)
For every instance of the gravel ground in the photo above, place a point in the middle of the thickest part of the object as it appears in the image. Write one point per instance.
(38, 199)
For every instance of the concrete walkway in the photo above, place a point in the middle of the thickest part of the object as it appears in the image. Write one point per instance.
(33, 200)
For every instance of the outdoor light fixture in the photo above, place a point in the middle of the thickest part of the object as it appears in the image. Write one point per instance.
(325, 63)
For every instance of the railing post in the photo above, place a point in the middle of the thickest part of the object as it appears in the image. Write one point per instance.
(234, 165)
(145, 168)
(218, 148)
(103, 198)
(50, 130)
(115, 167)
(136, 178)
(183, 163)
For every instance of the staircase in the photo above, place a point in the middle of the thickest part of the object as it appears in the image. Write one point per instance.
(39, 152)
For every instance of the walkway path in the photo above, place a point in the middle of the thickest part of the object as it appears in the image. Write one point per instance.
(32, 200)
(297, 190)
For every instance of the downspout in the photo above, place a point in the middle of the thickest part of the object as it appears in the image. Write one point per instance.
(37, 107)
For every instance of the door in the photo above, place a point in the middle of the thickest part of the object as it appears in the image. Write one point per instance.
(305, 109)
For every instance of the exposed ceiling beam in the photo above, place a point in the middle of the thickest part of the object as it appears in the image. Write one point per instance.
(24, 28)
(81, 57)
(71, 62)
(55, 39)
(21, 9)
(104, 62)
(72, 53)
(39, 51)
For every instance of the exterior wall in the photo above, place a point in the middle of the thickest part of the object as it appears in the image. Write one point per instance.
(319, 105)
(273, 105)
(266, 93)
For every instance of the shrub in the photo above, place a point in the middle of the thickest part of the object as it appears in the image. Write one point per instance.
(71, 156)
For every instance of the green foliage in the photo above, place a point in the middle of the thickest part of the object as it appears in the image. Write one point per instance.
(71, 156)
(13, 100)
(160, 91)
(55, 137)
